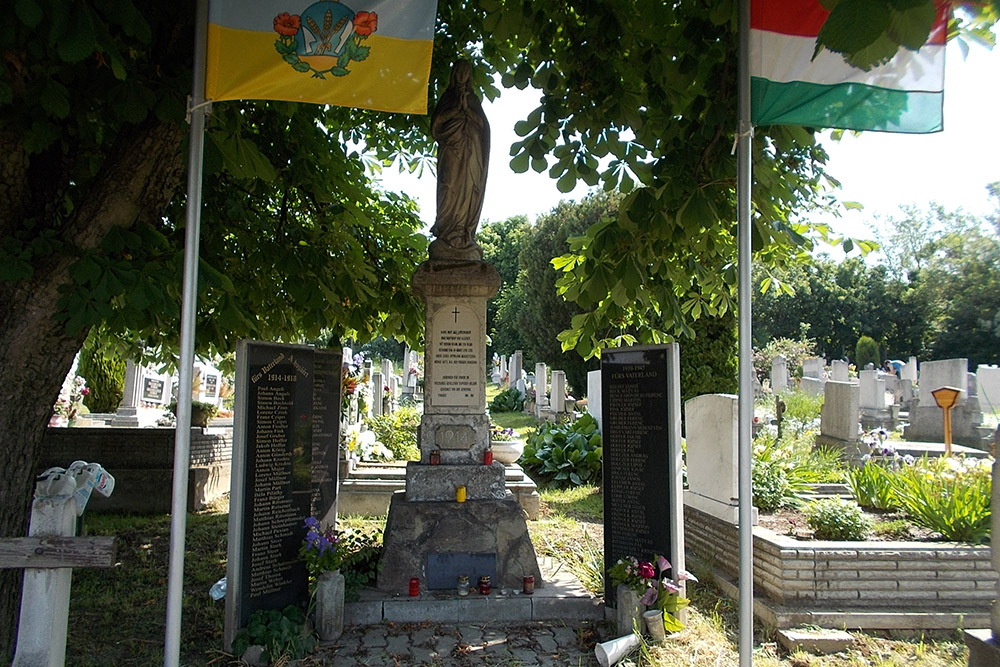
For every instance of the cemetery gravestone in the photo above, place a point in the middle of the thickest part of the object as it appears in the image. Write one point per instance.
(988, 380)
(812, 376)
(594, 408)
(713, 455)
(285, 434)
(779, 373)
(839, 416)
(643, 512)
(558, 392)
(840, 371)
(516, 371)
(541, 390)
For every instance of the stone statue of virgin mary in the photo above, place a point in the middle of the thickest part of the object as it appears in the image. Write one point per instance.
(463, 135)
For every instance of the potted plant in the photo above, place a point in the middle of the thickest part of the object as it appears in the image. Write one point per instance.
(324, 553)
(507, 448)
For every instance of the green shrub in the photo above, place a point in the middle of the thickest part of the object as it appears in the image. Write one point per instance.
(836, 519)
(897, 529)
(801, 411)
(360, 565)
(201, 413)
(770, 485)
(950, 497)
(398, 432)
(866, 352)
(508, 400)
(105, 377)
(568, 454)
(279, 632)
(874, 486)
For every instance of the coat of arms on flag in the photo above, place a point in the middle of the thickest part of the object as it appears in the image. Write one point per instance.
(324, 38)
(376, 56)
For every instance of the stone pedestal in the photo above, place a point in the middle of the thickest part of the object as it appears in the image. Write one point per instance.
(437, 541)
(429, 534)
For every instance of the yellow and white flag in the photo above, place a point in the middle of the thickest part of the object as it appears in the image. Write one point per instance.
(371, 54)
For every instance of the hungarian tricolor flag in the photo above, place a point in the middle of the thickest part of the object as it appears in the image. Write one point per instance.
(791, 87)
(371, 54)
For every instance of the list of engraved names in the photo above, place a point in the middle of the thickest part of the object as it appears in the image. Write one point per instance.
(273, 517)
(631, 436)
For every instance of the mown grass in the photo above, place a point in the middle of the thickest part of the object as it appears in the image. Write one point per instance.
(117, 615)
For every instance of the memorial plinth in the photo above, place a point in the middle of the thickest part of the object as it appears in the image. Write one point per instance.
(428, 533)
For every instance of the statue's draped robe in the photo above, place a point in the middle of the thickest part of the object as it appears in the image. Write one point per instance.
(463, 135)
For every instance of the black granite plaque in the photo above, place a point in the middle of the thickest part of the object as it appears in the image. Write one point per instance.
(637, 483)
(326, 433)
(443, 569)
(211, 386)
(152, 390)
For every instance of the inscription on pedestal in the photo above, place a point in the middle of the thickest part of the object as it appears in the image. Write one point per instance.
(455, 357)
(636, 470)
(454, 437)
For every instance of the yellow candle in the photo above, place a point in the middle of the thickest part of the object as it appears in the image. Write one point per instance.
(460, 494)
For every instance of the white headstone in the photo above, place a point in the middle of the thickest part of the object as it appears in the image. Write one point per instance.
(988, 381)
(841, 411)
(840, 371)
(909, 370)
(812, 368)
(944, 373)
(712, 461)
(378, 392)
(541, 387)
(779, 373)
(594, 396)
(516, 375)
(558, 402)
(872, 393)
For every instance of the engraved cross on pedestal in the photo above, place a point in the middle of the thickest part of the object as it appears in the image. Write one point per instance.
(455, 313)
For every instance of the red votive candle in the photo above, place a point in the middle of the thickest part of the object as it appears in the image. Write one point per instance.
(488, 457)
(414, 587)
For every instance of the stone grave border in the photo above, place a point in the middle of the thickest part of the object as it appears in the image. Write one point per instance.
(856, 585)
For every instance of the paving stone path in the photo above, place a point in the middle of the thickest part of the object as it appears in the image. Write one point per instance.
(537, 644)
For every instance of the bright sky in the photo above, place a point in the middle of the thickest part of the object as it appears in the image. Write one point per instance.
(880, 170)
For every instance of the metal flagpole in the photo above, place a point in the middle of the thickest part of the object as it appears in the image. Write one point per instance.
(743, 181)
(189, 302)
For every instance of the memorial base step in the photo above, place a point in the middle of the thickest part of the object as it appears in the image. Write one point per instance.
(562, 597)
(367, 490)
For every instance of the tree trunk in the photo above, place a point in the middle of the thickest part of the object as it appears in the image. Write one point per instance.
(140, 174)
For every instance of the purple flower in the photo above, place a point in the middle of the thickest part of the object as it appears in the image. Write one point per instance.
(311, 522)
(646, 570)
(662, 564)
(649, 597)
(670, 585)
(687, 576)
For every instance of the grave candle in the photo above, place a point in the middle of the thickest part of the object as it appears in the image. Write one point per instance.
(435, 457)
(414, 587)
(488, 456)
(460, 494)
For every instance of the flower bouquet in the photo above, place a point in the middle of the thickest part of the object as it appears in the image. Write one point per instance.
(658, 591)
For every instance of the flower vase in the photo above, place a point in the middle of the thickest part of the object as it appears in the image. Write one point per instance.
(629, 609)
(330, 605)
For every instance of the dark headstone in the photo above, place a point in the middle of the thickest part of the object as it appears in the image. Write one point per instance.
(152, 390)
(287, 416)
(211, 386)
(637, 474)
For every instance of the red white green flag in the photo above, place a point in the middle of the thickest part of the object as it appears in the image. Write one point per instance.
(791, 87)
